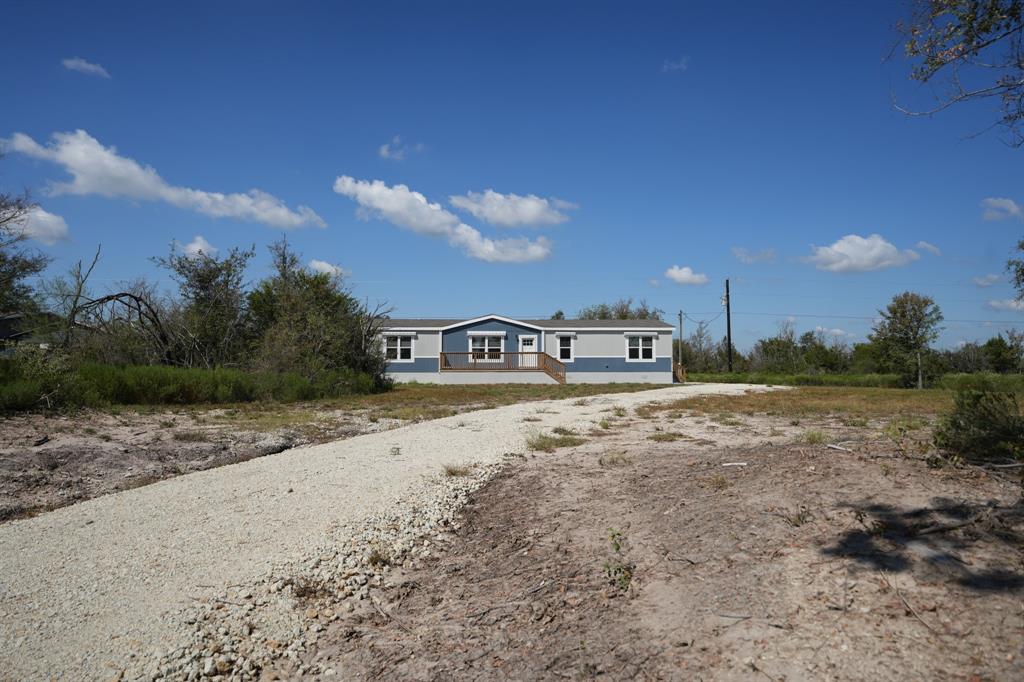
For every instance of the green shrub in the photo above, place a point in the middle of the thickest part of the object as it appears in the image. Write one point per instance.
(22, 383)
(19, 395)
(983, 381)
(983, 425)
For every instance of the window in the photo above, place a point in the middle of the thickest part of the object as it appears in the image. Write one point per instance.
(640, 349)
(565, 348)
(486, 348)
(398, 348)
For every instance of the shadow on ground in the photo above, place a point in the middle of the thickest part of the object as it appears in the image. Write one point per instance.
(936, 539)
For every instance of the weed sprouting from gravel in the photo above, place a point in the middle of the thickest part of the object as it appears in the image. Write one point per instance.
(456, 470)
(618, 571)
(619, 411)
(616, 538)
(798, 518)
(665, 437)
(605, 424)
(531, 419)
(582, 402)
(563, 431)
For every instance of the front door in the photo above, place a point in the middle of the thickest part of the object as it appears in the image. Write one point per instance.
(528, 350)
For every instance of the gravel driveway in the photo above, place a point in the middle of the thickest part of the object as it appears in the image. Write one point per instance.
(87, 588)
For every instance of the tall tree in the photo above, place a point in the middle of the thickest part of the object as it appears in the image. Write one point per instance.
(904, 332)
(212, 305)
(18, 263)
(308, 323)
(975, 47)
(1015, 266)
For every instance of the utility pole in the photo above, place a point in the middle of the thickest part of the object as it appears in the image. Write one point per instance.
(728, 323)
(679, 352)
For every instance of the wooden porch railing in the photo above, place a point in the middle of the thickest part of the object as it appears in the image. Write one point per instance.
(503, 362)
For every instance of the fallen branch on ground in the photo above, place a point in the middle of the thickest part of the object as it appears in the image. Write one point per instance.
(906, 604)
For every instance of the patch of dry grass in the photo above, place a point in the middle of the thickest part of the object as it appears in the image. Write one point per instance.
(726, 419)
(718, 482)
(813, 401)
(814, 437)
(665, 436)
(548, 443)
(614, 459)
(457, 470)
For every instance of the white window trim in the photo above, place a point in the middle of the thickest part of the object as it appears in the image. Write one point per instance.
(501, 347)
(654, 347)
(412, 347)
(572, 347)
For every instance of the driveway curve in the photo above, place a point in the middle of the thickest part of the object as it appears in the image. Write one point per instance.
(87, 587)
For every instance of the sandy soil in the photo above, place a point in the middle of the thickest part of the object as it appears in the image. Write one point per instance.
(736, 552)
(51, 461)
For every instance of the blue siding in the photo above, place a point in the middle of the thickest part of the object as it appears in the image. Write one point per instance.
(457, 341)
(417, 365)
(618, 364)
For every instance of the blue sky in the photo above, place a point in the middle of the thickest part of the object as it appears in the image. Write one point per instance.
(461, 158)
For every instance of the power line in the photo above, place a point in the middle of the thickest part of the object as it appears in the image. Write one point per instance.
(854, 317)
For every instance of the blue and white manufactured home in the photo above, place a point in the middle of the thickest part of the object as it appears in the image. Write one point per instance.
(493, 350)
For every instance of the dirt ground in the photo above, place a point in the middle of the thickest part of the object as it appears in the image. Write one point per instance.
(51, 461)
(692, 546)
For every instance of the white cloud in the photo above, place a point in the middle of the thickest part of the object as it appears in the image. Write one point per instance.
(199, 247)
(685, 275)
(326, 268)
(408, 209)
(835, 331)
(44, 226)
(854, 253)
(396, 150)
(681, 64)
(747, 256)
(998, 208)
(393, 150)
(80, 65)
(512, 210)
(1007, 304)
(986, 281)
(96, 169)
(930, 248)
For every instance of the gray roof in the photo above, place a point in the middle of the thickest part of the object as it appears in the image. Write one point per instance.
(436, 323)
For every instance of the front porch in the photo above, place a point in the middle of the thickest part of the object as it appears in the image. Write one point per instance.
(501, 361)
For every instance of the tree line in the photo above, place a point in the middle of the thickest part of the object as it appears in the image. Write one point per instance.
(900, 343)
(296, 323)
